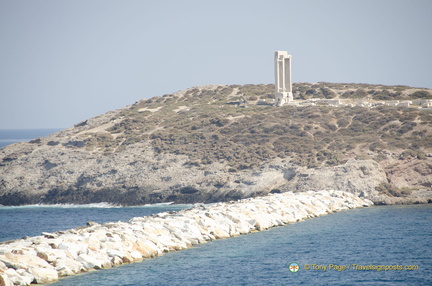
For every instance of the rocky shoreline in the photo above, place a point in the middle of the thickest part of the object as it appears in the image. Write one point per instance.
(218, 143)
(46, 258)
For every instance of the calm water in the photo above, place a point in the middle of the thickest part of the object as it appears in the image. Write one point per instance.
(10, 136)
(16, 222)
(386, 235)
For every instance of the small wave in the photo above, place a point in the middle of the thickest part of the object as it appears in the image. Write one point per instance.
(155, 205)
(172, 204)
(94, 205)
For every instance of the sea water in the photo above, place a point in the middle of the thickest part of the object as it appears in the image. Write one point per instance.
(327, 249)
(31, 220)
(368, 237)
(10, 136)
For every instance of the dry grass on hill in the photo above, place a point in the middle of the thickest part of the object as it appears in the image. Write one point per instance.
(219, 125)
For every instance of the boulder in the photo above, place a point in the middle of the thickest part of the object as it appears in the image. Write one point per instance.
(44, 275)
(73, 250)
(4, 280)
(27, 277)
(43, 259)
(92, 261)
(16, 261)
(67, 266)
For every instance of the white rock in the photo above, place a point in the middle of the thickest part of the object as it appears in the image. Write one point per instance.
(88, 262)
(42, 259)
(5, 281)
(27, 277)
(116, 261)
(49, 254)
(73, 249)
(44, 275)
(67, 266)
(14, 278)
(17, 261)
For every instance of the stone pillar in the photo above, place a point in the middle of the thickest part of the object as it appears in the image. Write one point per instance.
(283, 84)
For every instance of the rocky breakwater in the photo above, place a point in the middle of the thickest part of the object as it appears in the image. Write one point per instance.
(46, 258)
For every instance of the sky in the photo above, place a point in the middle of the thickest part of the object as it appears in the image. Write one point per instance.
(62, 62)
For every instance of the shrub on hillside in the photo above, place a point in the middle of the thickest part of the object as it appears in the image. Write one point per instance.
(392, 191)
(421, 94)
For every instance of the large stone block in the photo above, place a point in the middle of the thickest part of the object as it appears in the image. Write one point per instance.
(44, 275)
(4, 280)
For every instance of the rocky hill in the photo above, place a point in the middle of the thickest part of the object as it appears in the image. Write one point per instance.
(224, 142)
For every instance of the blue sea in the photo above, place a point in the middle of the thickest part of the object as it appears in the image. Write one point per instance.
(19, 221)
(329, 250)
(10, 136)
(367, 237)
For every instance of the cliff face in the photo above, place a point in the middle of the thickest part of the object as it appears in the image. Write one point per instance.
(218, 143)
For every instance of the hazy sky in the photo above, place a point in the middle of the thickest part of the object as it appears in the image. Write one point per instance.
(65, 61)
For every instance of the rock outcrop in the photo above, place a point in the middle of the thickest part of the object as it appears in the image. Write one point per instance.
(218, 143)
(46, 258)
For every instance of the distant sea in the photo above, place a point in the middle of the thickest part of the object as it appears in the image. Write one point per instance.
(10, 136)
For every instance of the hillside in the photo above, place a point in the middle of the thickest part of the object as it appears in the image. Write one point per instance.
(224, 142)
